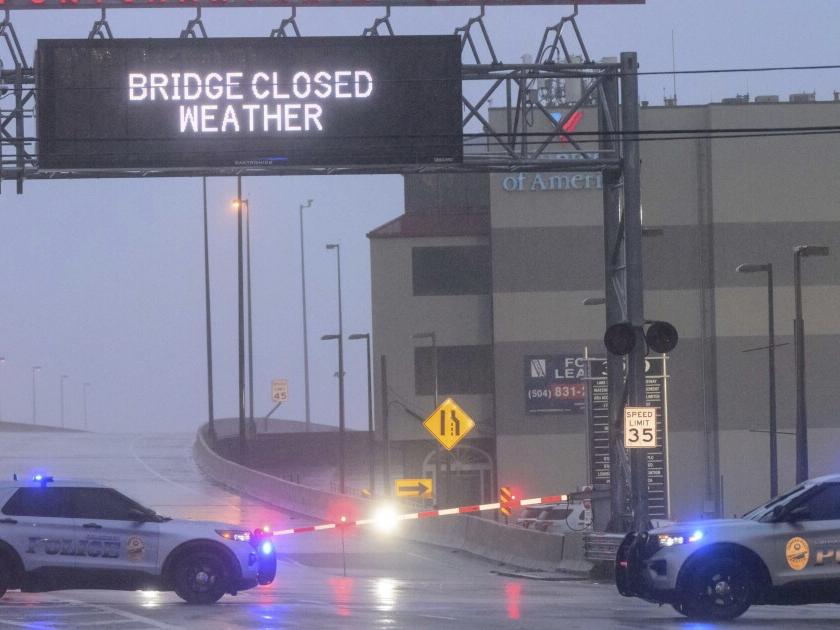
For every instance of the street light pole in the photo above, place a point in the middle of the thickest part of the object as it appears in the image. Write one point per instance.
(771, 362)
(433, 338)
(341, 423)
(211, 427)
(799, 347)
(240, 318)
(303, 302)
(61, 397)
(371, 442)
(35, 370)
(84, 402)
(2, 361)
(250, 322)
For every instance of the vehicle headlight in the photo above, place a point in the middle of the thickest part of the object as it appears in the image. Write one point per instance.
(239, 535)
(669, 540)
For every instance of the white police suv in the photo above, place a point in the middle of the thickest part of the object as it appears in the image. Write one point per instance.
(784, 552)
(58, 535)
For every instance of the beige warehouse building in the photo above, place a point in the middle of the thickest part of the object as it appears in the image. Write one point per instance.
(498, 267)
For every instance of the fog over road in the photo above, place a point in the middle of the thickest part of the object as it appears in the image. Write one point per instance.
(390, 583)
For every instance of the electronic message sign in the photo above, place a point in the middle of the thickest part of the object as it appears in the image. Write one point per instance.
(240, 102)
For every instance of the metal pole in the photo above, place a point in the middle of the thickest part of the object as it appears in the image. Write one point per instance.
(341, 423)
(771, 360)
(250, 324)
(371, 440)
(61, 398)
(386, 444)
(799, 349)
(615, 364)
(2, 361)
(303, 301)
(34, 402)
(84, 403)
(635, 285)
(439, 447)
(241, 319)
(210, 414)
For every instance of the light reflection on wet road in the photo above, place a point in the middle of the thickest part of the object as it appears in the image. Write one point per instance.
(389, 584)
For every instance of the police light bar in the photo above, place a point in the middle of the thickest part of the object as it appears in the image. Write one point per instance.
(43, 480)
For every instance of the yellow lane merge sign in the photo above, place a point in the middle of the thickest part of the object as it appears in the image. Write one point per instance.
(414, 488)
(449, 424)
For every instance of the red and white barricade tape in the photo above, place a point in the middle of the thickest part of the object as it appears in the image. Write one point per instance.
(467, 509)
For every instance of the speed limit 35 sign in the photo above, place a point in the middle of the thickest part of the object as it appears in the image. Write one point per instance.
(639, 427)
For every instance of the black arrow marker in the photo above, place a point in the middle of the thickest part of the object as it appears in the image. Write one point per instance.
(420, 488)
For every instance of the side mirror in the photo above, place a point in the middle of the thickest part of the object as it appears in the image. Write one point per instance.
(801, 513)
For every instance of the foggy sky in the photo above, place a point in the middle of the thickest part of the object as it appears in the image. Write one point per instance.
(102, 280)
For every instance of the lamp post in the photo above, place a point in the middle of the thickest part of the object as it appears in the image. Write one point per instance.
(303, 302)
(61, 397)
(250, 320)
(340, 413)
(240, 318)
(211, 428)
(433, 338)
(799, 252)
(341, 424)
(35, 370)
(371, 444)
(771, 364)
(2, 361)
(84, 403)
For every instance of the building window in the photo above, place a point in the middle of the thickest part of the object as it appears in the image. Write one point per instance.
(451, 270)
(461, 370)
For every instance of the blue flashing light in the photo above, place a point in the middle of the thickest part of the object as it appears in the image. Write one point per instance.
(698, 535)
(266, 548)
(42, 479)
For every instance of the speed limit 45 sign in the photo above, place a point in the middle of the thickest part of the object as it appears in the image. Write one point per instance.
(639, 427)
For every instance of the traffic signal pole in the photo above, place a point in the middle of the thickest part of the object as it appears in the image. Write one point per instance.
(631, 165)
(613, 262)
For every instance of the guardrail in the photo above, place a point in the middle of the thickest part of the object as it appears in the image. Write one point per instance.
(515, 546)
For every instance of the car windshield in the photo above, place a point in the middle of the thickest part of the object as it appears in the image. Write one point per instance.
(760, 512)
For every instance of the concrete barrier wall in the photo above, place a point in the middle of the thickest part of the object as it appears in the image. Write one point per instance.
(482, 537)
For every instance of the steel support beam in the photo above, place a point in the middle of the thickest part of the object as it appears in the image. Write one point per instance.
(633, 256)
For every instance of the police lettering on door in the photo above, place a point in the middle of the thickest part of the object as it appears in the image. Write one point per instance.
(93, 548)
(555, 384)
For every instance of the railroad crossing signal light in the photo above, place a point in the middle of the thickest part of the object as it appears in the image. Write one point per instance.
(660, 337)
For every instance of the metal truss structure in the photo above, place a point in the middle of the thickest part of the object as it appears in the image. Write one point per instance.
(526, 140)
(523, 134)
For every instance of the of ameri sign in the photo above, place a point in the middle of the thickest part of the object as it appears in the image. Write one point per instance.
(542, 182)
(319, 101)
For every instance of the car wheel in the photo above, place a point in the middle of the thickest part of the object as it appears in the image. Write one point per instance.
(718, 589)
(5, 574)
(200, 577)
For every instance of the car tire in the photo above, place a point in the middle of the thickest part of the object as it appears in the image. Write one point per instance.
(200, 577)
(718, 589)
(5, 573)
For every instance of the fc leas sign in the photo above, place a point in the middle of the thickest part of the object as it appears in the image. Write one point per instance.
(248, 102)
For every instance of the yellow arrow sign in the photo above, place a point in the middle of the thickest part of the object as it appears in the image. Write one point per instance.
(449, 424)
(414, 488)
